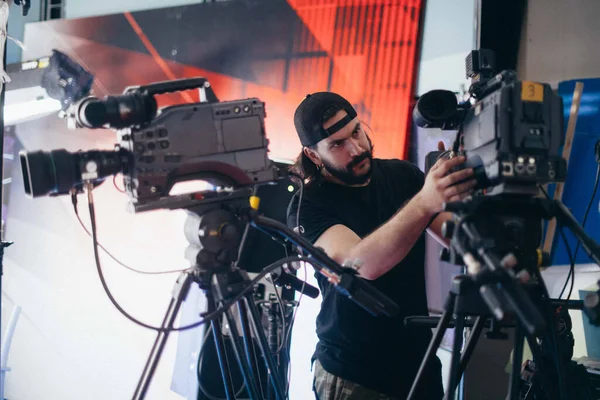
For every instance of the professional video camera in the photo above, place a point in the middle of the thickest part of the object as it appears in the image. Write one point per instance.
(510, 132)
(157, 150)
(223, 143)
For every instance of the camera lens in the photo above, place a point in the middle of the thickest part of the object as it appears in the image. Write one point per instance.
(435, 108)
(48, 172)
(58, 171)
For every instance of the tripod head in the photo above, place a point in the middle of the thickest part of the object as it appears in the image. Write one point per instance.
(497, 239)
(215, 233)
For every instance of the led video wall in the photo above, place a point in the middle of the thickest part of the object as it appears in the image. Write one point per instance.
(276, 50)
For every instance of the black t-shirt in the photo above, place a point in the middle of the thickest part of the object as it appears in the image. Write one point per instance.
(376, 352)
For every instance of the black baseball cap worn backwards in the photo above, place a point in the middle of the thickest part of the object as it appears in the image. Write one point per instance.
(308, 118)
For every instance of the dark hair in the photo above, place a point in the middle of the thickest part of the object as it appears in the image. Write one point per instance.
(303, 166)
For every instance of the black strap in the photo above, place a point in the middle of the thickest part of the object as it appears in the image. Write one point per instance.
(339, 125)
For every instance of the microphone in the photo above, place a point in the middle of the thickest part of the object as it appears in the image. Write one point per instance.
(282, 278)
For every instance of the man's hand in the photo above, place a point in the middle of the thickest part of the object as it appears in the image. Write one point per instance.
(442, 187)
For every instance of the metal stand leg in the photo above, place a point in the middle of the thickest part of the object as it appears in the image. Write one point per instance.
(249, 379)
(273, 342)
(547, 387)
(181, 289)
(264, 347)
(221, 351)
(435, 342)
(515, 372)
(249, 345)
(471, 343)
(453, 376)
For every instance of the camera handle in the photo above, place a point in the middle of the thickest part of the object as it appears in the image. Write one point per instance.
(177, 85)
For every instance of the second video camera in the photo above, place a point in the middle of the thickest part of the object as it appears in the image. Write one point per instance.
(509, 130)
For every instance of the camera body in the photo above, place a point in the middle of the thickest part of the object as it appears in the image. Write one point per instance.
(510, 131)
(223, 143)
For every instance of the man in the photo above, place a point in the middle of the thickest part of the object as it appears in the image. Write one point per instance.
(372, 213)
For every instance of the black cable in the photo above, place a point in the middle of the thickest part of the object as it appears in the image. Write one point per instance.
(571, 274)
(206, 317)
(107, 290)
(299, 206)
(300, 196)
(573, 257)
(457, 139)
(283, 324)
(548, 307)
(74, 202)
(585, 216)
(289, 334)
(567, 248)
(546, 293)
(258, 377)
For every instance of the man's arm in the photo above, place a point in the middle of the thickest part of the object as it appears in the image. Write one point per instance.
(382, 249)
(389, 244)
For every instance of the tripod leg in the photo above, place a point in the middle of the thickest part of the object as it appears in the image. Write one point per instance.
(434, 344)
(548, 389)
(180, 292)
(248, 345)
(471, 343)
(515, 372)
(220, 348)
(454, 377)
(264, 348)
(273, 341)
(249, 380)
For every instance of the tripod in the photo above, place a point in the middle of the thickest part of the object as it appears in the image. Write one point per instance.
(219, 232)
(464, 301)
(494, 237)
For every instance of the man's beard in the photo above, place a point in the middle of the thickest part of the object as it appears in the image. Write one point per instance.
(346, 175)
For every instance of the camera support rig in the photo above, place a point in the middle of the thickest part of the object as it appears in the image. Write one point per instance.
(214, 228)
(497, 285)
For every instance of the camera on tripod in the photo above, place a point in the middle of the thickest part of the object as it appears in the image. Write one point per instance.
(510, 133)
(223, 143)
(220, 142)
(509, 130)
